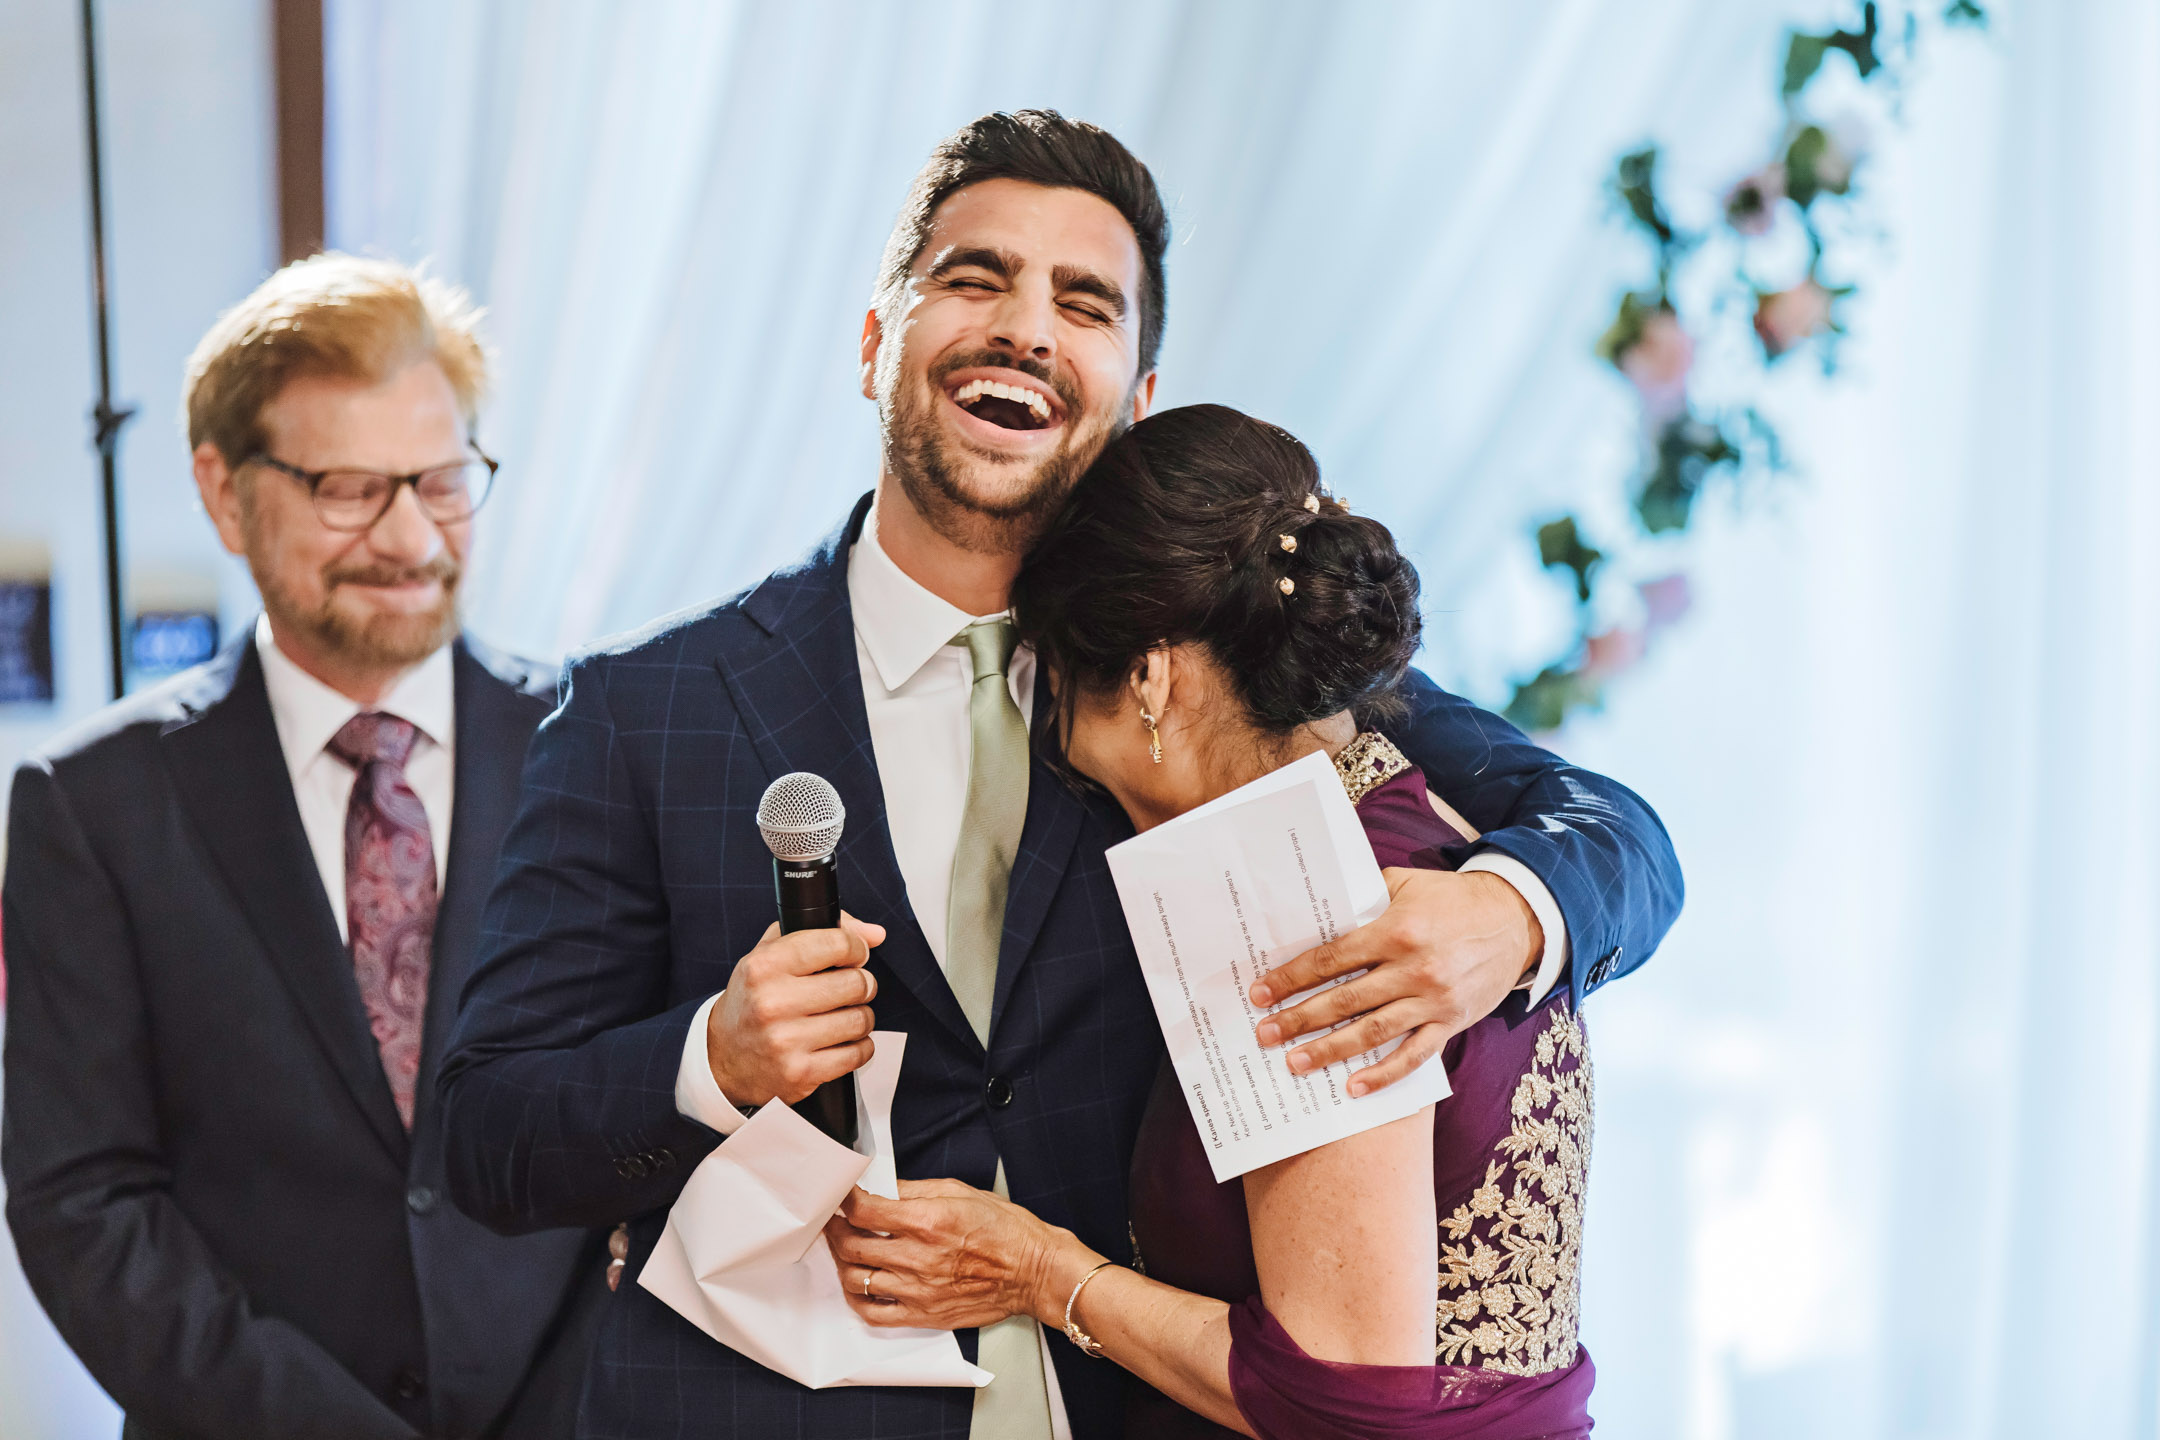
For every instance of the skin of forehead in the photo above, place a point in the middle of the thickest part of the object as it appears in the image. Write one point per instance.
(1040, 224)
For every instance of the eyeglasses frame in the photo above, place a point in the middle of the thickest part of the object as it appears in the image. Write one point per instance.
(313, 480)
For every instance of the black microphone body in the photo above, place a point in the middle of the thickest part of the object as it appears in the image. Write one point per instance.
(809, 896)
(808, 892)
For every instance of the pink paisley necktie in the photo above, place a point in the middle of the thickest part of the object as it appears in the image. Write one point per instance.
(389, 893)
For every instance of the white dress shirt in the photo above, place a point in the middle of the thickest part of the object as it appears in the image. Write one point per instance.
(308, 713)
(917, 687)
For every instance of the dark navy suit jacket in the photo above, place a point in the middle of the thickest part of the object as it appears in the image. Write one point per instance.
(634, 877)
(208, 1183)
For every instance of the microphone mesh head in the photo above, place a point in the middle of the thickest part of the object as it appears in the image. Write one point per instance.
(801, 817)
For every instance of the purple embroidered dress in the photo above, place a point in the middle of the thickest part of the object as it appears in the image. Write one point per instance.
(1510, 1154)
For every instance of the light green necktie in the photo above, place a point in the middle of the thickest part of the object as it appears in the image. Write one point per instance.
(1016, 1406)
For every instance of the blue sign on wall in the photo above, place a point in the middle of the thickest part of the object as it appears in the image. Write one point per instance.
(26, 653)
(168, 641)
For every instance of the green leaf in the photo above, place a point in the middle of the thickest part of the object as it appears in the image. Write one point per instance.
(1815, 166)
(1807, 147)
(1560, 546)
(1626, 330)
(1804, 54)
(1688, 452)
(1544, 704)
(1635, 182)
(1803, 57)
(1861, 45)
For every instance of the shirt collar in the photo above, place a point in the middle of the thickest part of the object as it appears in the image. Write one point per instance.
(308, 712)
(901, 624)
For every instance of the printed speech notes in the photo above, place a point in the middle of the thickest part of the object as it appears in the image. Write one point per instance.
(1223, 893)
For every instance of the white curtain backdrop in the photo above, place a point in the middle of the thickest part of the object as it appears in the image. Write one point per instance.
(1877, 1127)
(1391, 237)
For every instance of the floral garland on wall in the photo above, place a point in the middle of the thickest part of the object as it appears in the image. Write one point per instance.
(1805, 193)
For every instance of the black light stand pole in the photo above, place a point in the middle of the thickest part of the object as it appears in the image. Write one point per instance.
(107, 419)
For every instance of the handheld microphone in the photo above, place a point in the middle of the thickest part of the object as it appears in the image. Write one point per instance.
(801, 818)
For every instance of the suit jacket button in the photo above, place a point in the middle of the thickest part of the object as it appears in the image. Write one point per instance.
(420, 1200)
(1603, 970)
(998, 1092)
(408, 1385)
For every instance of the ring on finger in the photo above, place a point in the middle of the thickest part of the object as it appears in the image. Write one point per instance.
(867, 1295)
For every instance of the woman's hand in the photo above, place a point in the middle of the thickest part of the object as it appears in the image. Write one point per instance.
(946, 1256)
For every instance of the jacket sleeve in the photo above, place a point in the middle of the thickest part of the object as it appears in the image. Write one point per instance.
(558, 1088)
(127, 1279)
(1599, 849)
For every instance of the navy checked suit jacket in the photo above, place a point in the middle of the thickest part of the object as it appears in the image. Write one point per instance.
(634, 877)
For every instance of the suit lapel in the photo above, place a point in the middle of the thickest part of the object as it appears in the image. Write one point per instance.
(798, 688)
(493, 732)
(230, 773)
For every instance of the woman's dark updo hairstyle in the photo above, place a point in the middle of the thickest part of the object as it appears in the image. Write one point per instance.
(1172, 536)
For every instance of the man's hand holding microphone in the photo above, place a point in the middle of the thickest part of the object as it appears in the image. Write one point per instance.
(794, 1022)
(795, 1014)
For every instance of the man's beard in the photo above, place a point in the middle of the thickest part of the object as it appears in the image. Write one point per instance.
(932, 470)
(371, 640)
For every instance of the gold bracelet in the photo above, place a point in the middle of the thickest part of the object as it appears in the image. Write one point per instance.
(1073, 1332)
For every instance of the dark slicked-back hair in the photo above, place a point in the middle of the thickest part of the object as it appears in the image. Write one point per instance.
(1041, 147)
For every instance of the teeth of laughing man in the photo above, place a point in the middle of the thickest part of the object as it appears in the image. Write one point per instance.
(1019, 394)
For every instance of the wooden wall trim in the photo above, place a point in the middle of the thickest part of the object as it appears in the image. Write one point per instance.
(297, 54)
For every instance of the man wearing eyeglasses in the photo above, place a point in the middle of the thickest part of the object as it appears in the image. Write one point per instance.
(240, 907)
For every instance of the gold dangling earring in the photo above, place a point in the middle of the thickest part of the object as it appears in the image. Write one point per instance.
(1154, 738)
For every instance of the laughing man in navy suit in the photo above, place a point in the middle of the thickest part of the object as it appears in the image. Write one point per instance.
(635, 1001)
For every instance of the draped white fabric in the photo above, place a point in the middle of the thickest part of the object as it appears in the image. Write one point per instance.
(1877, 1127)
(1388, 222)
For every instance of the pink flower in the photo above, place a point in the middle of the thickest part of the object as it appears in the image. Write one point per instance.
(1657, 364)
(1612, 652)
(1665, 600)
(1785, 318)
(1751, 205)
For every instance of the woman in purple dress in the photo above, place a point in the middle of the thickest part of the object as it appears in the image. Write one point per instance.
(1209, 615)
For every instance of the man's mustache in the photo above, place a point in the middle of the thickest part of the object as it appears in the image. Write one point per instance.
(441, 568)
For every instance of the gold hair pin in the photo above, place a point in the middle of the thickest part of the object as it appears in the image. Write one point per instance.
(1286, 585)
(1289, 544)
(1312, 503)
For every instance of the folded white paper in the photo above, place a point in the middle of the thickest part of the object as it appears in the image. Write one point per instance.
(744, 1257)
(1220, 895)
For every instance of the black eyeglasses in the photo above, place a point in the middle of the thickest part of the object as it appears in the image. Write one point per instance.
(355, 500)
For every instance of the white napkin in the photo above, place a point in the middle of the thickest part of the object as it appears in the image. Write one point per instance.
(744, 1257)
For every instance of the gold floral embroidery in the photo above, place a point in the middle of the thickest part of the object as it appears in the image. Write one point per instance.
(1367, 762)
(1510, 1281)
